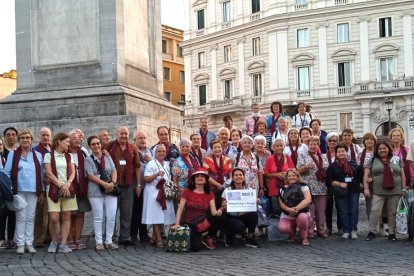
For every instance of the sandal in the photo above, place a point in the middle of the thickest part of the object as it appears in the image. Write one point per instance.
(159, 244)
(71, 245)
(305, 242)
(80, 245)
(99, 247)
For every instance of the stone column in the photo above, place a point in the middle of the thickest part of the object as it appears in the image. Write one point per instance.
(282, 59)
(366, 115)
(273, 55)
(323, 55)
(241, 69)
(211, 20)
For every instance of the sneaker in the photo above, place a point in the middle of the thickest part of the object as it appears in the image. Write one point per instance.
(252, 242)
(392, 237)
(64, 248)
(370, 236)
(111, 246)
(208, 242)
(345, 235)
(383, 232)
(3, 244)
(52, 247)
(354, 235)
(20, 250)
(31, 249)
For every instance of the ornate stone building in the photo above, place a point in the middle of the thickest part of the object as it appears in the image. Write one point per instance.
(343, 57)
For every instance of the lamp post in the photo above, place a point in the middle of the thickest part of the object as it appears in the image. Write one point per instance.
(388, 105)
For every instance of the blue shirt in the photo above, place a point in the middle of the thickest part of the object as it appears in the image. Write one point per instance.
(26, 181)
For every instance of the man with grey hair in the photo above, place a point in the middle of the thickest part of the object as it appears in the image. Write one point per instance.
(41, 231)
(128, 167)
(145, 155)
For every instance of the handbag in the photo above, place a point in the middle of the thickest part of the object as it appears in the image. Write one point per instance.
(200, 224)
(339, 191)
(178, 240)
(273, 233)
(262, 217)
(170, 189)
(104, 176)
(265, 203)
(401, 216)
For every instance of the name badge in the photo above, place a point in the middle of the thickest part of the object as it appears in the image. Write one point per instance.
(122, 162)
(348, 179)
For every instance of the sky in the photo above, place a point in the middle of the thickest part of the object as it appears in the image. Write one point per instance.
(172, 14)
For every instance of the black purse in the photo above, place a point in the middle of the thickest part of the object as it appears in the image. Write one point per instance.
(104, 176)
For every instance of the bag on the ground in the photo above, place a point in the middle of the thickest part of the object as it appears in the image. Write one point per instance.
(178, 240)
(265, 203)
(262, 217)
(401, 217)
(273, 233)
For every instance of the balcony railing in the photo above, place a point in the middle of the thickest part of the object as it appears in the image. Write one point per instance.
(303, 93)
(344, 90)
(218, 104)
(255, 16)
(340, 2)
(225, 25)
(387, 85)
(301, 7)
(200, 32)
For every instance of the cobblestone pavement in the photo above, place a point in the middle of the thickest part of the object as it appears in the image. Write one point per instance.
(331, 256)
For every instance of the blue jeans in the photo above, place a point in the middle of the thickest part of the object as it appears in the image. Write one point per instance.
(348, 210)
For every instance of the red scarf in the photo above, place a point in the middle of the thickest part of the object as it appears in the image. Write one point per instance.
(227, 150)
(193, 166)
(321, 172)
(256, 119)
(279, 162)
(161, 199)
(53, 189)
(129, 167)
(204, 144)
(388, 180)
(219, 176)
(407, 165)
(15, 171)
(42, 149)
(81, 184)
(198, 156)
(352, 148)
(344, 165)
(273, 124)
(294, 154)
(362, 158)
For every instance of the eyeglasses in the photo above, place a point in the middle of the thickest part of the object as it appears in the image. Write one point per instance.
(25, 137)
(95, 144)
(332, 141)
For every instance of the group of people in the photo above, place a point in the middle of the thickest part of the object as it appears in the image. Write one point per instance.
(303, 171)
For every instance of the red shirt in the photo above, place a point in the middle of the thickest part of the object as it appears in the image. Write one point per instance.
(196, 205)
(273, 184)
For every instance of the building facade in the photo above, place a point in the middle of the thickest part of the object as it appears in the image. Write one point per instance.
(343, 57)
(173, 65)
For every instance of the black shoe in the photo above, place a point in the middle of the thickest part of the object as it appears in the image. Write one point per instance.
(252, 242)
(370, 236)
(125, 242)
(228, 240)
(133, 242)
(144, 239)
(392, 237)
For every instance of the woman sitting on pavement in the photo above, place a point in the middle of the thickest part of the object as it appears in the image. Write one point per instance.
(294, 199)
(195, 203)
(237, 222)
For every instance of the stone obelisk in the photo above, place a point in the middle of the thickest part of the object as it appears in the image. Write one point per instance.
(92, 64)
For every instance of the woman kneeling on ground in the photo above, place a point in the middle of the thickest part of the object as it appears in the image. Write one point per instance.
(294, 199)
(197, 201)
(237, 222)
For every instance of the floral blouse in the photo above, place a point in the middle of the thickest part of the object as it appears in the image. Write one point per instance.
(251, 168)
(316, 187)
(180, 170)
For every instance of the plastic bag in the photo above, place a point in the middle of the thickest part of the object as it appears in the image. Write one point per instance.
(401, 216)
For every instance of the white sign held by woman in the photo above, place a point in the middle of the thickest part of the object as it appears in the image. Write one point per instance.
(241, 201)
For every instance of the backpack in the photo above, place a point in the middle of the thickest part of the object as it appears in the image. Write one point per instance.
(238, 159)
(292, 195)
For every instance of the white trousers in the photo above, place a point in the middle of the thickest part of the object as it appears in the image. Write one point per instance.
(25, 220)
(107, 204)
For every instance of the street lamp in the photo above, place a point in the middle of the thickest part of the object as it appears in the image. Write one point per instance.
(388, 105)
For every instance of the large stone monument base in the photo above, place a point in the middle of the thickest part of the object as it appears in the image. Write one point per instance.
(90, 108)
